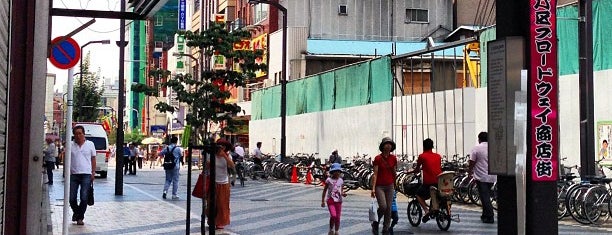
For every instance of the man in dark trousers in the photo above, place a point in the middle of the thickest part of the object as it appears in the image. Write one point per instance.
(479, 168)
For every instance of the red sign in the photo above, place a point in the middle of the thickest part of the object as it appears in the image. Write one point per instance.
(543, 90)
(65, 54)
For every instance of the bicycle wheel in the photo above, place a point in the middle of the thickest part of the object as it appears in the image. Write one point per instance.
(574, 204)
(414, 213)
(594, 205)
(473, 194)
(443, 219)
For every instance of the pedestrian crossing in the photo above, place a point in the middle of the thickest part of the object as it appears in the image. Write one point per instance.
(283, 208)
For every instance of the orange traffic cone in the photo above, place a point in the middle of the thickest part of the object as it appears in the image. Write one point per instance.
(294, 178)
(308, 176)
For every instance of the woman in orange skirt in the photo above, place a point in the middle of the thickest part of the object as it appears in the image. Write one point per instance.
(222, 195)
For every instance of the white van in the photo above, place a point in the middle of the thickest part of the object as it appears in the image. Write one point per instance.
(95, 133)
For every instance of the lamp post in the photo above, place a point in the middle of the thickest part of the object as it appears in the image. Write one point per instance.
(81, 66)
(283, 74)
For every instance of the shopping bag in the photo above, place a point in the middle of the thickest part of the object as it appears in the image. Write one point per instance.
(90, 196)
(199, 189)
(373, 211)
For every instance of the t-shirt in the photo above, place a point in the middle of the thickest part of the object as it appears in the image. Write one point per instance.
(80, 158)
(480, 155)
(431, 165)
(334, 190)
(177, 154)
(239, 150)
(50, 153)
(257, 153)
(386, 168)
(221, 175)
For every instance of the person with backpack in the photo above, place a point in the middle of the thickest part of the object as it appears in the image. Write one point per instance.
(172, 155)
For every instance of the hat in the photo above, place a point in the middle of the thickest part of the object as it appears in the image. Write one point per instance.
(228, 146)
(335, 167)
(384, 141)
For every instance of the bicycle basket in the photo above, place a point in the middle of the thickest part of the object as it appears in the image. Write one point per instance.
(445, 183)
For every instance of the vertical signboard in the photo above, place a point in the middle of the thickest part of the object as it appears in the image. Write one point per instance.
(182, 15)
(543, 87)
(260, 43)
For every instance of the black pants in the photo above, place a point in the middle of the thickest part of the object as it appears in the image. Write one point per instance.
(50, 166)
(140, 163)
(126, 165)
(484, 189)
(133, 165)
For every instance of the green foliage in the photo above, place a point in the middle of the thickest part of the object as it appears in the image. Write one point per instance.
(88, 95)
(135, 136)
(202, 93)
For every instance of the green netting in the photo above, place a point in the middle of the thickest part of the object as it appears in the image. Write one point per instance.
(352, 85)
(602, 30)
(567, 32)
(328, 91)
(296, 97)
(380, 80)
(355, 85)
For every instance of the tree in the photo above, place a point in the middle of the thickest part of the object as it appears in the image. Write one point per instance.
(87, 96)
(205, 94)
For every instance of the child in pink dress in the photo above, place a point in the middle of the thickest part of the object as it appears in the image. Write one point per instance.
(332, 193)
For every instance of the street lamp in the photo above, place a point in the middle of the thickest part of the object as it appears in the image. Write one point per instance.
(283, 74)
(81, 66)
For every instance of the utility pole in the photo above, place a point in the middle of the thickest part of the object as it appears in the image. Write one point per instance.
(119, 145)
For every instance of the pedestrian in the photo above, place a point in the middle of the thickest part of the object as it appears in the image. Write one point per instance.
(332, 194)
(479, 169)
(126, 158)
(140, 156)
(430, 163)
(133, 154)
(172, 175)
(222, 187)
(58, 156)
(334, 158)
(82, 172)
(383, 182)
(153, 157)
(239, 149)
(394, 214)
(50, 153)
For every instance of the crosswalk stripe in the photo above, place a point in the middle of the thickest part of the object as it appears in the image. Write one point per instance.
(258, 214)
(276, 220)
(285, 195)
(302, 227)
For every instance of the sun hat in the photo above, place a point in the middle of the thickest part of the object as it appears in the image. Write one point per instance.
(384, 141)
(335, 167)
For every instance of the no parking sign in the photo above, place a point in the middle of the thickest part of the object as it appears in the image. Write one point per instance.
(66, 54)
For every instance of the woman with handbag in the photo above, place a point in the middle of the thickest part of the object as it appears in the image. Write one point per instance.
(383, 183)
(222, 196)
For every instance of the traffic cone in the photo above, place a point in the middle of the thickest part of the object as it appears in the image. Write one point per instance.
(294, 178)
(308, 176)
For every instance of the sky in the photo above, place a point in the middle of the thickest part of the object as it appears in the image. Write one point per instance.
(104, 57)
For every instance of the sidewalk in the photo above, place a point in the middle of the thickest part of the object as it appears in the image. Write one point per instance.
(137, 212)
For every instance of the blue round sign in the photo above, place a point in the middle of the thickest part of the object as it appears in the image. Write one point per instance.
(65, 54)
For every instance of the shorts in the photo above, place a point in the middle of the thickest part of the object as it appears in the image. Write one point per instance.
(423, 191)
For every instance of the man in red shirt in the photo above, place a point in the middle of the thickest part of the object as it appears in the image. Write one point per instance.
(430, 163)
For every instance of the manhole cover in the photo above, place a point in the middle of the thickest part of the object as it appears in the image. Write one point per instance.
(259, 200)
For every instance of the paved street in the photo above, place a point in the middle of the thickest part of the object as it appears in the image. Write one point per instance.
(259, 208)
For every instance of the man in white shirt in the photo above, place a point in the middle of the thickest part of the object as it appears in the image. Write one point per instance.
(257, 154)
(479, 168)
(239, 150)
(82, 172)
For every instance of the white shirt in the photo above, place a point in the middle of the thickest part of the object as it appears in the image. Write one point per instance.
(80, 158)
(221, 176)
(239, 150)
(257, 153)
(480, 155)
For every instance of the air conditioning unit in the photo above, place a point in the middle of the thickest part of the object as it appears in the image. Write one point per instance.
(342, 10)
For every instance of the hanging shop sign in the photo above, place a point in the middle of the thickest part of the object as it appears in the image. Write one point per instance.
(543, 88)
(260, 43)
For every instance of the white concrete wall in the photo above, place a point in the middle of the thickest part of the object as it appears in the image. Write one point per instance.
(350, 130)
(569, 112)
(454, 131)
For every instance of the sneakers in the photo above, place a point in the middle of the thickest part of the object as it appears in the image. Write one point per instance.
(375, 228)
(164, 195)
(175, 197)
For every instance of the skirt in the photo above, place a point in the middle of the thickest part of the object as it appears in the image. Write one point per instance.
(222, 196)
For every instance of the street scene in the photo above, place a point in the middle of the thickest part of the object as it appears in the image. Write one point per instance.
(260, 207)
(305, 117)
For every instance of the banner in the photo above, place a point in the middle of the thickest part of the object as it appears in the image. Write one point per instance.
(182, 15)
(543, 91)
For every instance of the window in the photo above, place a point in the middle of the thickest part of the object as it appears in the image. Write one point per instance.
(159, 20)
(417, 16)
(261, 12)
(342, 10)
(99, 142)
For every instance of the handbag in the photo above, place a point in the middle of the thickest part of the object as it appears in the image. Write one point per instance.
(200, 189)
(90, 196)
(373, 211)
